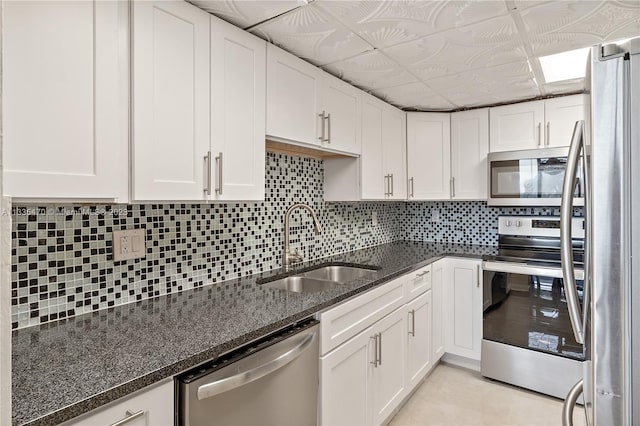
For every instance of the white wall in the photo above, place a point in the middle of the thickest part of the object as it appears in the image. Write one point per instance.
(5, 286)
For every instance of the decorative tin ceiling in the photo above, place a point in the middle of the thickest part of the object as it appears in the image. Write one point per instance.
(436, 55)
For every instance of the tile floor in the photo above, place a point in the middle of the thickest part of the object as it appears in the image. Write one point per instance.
(457, 396)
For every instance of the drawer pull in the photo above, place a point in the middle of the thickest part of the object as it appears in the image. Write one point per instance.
(422, 274)
(130, 416)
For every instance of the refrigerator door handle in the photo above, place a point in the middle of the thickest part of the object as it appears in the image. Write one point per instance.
(566, 251)
(570, 403)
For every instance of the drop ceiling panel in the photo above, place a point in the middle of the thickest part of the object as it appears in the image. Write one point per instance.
(246, 13)
(414, 95)
(435, 55)
(385, 23)
(371, 70)
(308, 32)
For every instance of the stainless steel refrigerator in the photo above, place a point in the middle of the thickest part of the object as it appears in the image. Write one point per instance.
(607, 146)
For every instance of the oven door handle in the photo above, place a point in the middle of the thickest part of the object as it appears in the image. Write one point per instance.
(566, 213)
(524, 269)
(292, 351)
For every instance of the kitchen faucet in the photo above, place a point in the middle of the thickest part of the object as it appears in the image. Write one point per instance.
(289, 259)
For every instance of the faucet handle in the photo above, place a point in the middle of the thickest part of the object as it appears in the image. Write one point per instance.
(294, 258)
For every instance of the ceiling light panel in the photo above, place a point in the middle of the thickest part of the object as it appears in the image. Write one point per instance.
(389, 22)
(308, 32)
(246, 13)
(563, 66)
(371, 70)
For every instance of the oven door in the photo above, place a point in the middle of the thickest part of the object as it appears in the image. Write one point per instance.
(529, 177)
(527, 308)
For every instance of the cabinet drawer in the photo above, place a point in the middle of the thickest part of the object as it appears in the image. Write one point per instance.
(151, 406)
(417, 283)
(350, 318)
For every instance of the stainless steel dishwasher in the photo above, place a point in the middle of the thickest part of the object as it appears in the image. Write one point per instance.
(273, 381)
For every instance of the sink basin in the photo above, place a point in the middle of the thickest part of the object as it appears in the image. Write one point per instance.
(340, 274)
(302, 284)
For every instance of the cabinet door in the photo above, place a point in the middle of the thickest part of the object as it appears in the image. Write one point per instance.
(464, 306)
(428, 156)
(238, 62)
(151, 406)
(344, 382)
(65, 99)
(293, 97)
(341, 102)
(372, 176)
(469, 147)
(419, 323)
(388, 387)
(394, 161)
(561, 115)
(437, 297)
(171, 100)
(517, 126)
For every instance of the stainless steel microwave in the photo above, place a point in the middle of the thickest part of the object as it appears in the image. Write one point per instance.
(531, 177)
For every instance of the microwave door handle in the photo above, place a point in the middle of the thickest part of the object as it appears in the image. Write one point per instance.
(566, 249)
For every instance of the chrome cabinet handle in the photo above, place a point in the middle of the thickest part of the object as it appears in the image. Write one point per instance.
(422, 274)
(322, 134)
(292, 351)
(539, 134)
(453, 187)
(375, 350)
(328, 118)
(413, 323)
(411, 186)
(566, 250)
(570, 403)
(219, 164)
(391, 179)
(379, 348)
(478, 275)
(546, 139)
(207, 167)
(130, 416)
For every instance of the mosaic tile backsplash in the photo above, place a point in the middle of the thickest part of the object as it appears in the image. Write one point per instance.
(62, 262)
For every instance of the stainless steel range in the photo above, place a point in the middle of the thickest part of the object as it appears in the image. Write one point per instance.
(527, 336)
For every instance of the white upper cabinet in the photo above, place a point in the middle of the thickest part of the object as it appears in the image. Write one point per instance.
(65, 99)
(237, 113)
(293, 98)
(469, 148)
(517, 126)
(561, 115)
(170, 101)
(341, 112)
(428, 156)
(373, 179)
(394, 158)
(538, 124)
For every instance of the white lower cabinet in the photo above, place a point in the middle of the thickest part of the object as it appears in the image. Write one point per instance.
(463, 307)
(388, 375)
(418, 339)
(152, 406)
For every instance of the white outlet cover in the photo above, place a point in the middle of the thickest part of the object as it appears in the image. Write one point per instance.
(374, 218)
(435, 215)
(128, 244)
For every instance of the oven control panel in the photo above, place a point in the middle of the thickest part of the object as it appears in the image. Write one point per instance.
(538, 226)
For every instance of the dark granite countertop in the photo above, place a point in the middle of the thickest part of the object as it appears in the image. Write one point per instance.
(66, 368)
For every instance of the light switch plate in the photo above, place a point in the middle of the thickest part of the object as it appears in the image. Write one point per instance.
(128, 244)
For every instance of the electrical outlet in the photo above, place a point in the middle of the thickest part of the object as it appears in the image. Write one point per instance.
(128, 244)
(374, 218)
(435, 215)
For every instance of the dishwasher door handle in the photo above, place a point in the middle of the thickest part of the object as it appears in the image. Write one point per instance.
(284, 357)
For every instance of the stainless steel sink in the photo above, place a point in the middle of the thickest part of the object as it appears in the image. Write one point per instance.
(302, 284)
(339, 274)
